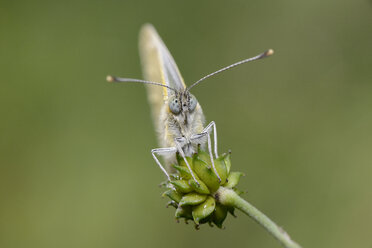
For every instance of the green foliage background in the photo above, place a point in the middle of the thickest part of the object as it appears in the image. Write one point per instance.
(75, 163)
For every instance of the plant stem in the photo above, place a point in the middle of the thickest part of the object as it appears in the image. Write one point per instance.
(228, 197)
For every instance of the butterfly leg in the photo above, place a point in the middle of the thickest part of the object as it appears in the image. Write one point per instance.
(180, 142)
(209, 129)
(161, 151)
(206, 132)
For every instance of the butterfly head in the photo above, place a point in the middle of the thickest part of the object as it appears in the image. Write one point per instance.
(182, 102)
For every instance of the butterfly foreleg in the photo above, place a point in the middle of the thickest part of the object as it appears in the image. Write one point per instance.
(197, 138)
(208, 129)
(162, 151)
(180, 142)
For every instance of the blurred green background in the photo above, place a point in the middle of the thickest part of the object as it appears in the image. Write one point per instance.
(75, 163)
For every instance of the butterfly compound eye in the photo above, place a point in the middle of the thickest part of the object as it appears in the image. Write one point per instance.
(192, 103)
(175, 105)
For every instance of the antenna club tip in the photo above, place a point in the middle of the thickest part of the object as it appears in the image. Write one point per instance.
(269, 52)
(110, 79)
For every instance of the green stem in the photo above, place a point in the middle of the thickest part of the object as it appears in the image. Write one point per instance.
(228, 197)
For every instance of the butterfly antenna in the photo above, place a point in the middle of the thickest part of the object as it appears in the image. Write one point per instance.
(260, 56)
(112, 79)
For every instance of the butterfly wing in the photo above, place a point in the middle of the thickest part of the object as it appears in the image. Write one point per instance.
(159, 66)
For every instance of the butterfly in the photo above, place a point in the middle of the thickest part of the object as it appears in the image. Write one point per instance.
(177, 115)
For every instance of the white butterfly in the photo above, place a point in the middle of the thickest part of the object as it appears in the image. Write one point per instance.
(177, 115)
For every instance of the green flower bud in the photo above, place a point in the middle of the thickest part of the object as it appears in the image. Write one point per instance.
(199, 188)
(233, 179)
(195, 198)
(173, 195)
(192, 199)
(183, 170)
(219, 215)
(203, 156)
(203, 210)
(227, 160)
(182, 186)
(206, 174)
(184, 212)
(219, 163)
